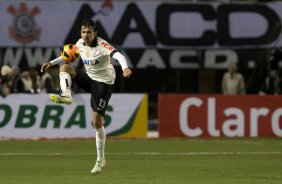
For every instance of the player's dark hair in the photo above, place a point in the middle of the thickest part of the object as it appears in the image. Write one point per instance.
(89, 23)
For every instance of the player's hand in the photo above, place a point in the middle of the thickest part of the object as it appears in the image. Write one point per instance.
(45, 66)
(127, 72)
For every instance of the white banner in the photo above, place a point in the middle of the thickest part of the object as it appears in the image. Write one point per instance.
(143, 24)
(36, 116)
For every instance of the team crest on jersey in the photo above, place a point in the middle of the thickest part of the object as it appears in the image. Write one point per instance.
(24, 28)
(92, 53)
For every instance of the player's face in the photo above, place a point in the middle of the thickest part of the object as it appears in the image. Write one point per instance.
(88, 35)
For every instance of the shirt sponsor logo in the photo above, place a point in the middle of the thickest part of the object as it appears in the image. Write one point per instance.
(91, 62)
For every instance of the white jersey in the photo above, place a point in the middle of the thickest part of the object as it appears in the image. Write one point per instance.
(97, 60)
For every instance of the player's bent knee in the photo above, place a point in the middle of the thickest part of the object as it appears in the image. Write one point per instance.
(63, 67)
(69, 69)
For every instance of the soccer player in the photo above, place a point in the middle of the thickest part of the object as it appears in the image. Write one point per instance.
(98, 80)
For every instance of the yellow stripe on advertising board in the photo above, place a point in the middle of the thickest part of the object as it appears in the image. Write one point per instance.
(140, 124)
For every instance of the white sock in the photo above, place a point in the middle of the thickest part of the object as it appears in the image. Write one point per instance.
(100, 143)
(65, 83)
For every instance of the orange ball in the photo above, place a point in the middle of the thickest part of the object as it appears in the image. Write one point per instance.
(70, 53)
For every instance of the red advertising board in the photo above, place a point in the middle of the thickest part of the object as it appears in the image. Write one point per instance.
(187, 115)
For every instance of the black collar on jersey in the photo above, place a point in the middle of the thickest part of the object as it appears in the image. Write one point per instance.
(94, 43)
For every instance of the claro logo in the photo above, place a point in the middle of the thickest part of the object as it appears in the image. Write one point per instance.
(233, 126)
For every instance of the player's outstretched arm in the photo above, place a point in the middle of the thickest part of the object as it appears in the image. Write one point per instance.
(122, 61)
(47, 65)
(127, 72)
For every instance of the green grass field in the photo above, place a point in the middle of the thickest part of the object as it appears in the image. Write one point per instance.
(160, 161)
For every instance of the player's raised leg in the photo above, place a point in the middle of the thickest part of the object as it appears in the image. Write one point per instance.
(66, 74)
